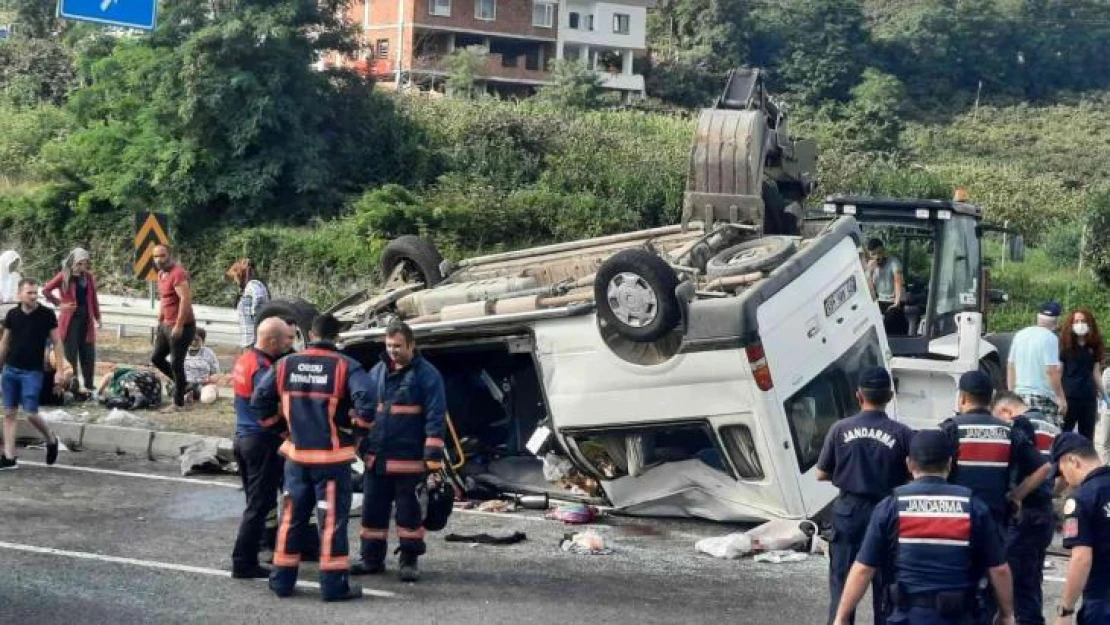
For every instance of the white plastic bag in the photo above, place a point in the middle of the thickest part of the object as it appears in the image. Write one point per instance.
(555, 467)
(777, 535)
(730, 547)
(778, 557)
(122, 418)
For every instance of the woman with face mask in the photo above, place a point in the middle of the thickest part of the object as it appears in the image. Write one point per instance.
(73, 291)
(1081, 352)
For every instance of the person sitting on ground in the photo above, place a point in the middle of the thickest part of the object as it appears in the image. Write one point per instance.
(60, 394)
(130, 388)
(201, 368)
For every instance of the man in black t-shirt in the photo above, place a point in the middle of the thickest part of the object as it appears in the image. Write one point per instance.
(28, 326)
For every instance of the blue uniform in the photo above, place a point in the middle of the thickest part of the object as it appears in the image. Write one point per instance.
(406, 436)
(1028, 538)
(322, 396)
(1087, 524)
(866, 457)
(934, 539)
(989, 452)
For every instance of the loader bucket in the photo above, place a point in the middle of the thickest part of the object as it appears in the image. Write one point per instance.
(725, 179)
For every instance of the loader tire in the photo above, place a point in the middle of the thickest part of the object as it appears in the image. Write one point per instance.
(421, 259)
(763, 254)
(634, 293)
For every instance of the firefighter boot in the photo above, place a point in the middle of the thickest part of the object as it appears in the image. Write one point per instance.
(372, 561)
(409, 571)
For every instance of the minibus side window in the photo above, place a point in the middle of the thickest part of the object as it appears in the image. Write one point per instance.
(741, 448)
(827, 398)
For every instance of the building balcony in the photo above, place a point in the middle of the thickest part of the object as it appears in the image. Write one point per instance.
(496, 67)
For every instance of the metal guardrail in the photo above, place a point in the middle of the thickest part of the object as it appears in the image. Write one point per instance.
(135, 316)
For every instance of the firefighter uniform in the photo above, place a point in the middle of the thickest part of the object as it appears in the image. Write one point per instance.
(323, 396)
(1028, 538)
(989, 452)
(1087, 524)
(260, 465)
(405, 440)
(934, 539)
(865, 455)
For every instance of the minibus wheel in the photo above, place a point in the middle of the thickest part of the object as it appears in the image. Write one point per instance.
(634, 293)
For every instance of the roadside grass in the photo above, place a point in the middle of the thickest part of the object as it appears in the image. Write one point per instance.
(1037, 280)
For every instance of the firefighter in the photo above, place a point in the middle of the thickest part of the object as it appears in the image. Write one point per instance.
(1086, 530)
(256, 448)
(988, 452)
(405, 442)
(325, 399)
(1028, 538)
(933, 540)
(865, 457)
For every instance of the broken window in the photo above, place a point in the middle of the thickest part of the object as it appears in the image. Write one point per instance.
(485, 10)
(441, 8)
(829, 397)
(741, 448)
(633, 453)
(621, 23)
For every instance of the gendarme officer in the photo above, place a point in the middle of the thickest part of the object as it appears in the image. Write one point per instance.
(1086, 530)
(865, 457)
(934, 540)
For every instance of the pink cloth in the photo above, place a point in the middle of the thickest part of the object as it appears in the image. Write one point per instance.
(70, 297)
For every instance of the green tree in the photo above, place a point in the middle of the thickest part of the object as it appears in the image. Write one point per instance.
(220, 114)
(464, 67)
(35, 70)
(574, 86)
(873, 117)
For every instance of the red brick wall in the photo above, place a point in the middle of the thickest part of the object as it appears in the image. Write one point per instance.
(512, 17)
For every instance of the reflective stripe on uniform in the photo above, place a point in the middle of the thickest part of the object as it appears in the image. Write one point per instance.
(317, 456)
(398, 409)
(984, 446)
(373, 533)
(409, 533)
(329, 562)
(404, 466)
(934, 520)
(433, 442)
(282, 558)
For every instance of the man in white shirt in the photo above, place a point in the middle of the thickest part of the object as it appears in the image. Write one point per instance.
(1033, 368)
(884, 275)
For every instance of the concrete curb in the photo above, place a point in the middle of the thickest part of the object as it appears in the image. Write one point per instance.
(149, 444)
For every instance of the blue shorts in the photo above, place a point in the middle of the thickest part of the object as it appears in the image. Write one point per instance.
(21, 387)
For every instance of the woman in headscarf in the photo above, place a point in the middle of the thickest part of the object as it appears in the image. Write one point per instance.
(73, 291)
(253, 294)
(10, 264)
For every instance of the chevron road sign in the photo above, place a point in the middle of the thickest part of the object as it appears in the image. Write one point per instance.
(150, 232)
(140, 14)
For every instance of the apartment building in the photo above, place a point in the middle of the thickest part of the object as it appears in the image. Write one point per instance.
(408, 42)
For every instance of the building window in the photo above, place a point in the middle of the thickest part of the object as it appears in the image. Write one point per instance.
(485, 10)
(381, 50)
(440, 8)
(621, 23)
(543, 14)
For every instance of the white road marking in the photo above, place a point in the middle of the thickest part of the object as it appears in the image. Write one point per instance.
(148, 476)
(165, 566)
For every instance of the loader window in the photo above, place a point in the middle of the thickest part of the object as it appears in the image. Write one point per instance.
(957, 282)
(829, 397)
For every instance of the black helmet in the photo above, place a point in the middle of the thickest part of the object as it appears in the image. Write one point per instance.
(437, 500)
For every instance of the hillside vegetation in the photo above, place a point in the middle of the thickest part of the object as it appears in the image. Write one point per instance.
(218, 119)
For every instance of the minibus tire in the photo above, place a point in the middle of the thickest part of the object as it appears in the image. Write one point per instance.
(296, 310)
(762, 254)
(646, 284)
(422, 257)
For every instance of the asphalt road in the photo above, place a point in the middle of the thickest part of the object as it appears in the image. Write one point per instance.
(84, 546)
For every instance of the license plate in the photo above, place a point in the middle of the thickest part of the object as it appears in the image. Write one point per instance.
(843, 293)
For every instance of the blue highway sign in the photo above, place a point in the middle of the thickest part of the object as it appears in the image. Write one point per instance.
(140, 14)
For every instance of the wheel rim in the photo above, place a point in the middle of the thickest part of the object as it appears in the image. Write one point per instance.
(751, 254)
(632, 300)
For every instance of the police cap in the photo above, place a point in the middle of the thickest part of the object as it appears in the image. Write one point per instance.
(976, 383)
(931, 447)
(874, 379)
(1068, 442)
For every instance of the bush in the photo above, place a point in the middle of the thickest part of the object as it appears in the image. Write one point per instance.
(1097, 253)
(1062, 244)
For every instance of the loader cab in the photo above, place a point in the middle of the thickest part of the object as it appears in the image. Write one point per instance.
(938, 244)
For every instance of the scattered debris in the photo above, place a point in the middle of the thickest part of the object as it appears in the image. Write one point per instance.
(62, 416)
(497, 505)
(588, 543)
(779, 556)
(779, 534)
(207, 456)
(575, 513)
(556, 467)
(487, 539)
(122, 418)
(729, 547)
